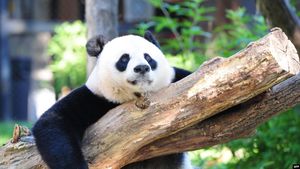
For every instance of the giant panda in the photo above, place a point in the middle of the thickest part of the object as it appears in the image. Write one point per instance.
(126, 67)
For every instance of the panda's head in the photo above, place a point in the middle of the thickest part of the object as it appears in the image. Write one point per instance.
(127, 67)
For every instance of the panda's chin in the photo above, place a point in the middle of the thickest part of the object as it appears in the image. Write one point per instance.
(138, 82)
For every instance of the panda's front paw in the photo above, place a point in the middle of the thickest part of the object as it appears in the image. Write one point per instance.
(142, 101)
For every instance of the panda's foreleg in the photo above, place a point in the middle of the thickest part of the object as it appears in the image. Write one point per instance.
(57, 143)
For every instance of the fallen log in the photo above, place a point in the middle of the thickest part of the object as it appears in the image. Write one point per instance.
(128, 133)
(237, 122)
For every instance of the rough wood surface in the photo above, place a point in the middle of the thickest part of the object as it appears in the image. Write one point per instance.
(237, 122)
(216, 86)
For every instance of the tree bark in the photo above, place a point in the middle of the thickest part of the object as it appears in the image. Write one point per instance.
(279, 14)
(101, 18)
(237, 122)
(127, 133)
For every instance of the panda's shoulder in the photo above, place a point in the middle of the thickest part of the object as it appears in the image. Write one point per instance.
(81, 102)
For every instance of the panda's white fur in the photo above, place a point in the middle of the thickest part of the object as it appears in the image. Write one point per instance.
(186, 164)
(105, 80)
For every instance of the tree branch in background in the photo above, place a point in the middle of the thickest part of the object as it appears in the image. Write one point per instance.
(279, 14)
(101, 19)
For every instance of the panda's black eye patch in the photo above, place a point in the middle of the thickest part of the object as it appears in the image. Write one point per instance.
(152, 62)
(122, 63)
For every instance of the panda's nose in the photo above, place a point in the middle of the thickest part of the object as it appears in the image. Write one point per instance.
(142, 69)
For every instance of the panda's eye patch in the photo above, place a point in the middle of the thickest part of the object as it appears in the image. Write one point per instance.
(124, 58)
(152, 62)
(122, 63)
(147, 57)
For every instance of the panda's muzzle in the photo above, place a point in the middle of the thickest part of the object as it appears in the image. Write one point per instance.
(141, 69)
(141, 75)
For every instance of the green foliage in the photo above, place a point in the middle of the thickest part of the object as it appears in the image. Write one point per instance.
(294, 4)
(185, 28)
(232, 37)
(67, 47)
(189, 61)
(274, 146)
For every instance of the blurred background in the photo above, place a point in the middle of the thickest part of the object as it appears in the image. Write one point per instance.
(43, 57)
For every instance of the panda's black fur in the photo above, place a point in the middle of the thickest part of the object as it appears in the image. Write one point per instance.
(59, 131)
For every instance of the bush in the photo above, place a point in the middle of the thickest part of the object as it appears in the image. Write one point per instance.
(185, 49)
(242, 29)
(67, 47)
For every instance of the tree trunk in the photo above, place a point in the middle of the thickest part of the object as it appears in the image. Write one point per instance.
(221, 8)
(101, 18)
(183, 116)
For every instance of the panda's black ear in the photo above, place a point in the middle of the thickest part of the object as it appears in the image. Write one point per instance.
(148, 35)
(95, 45)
